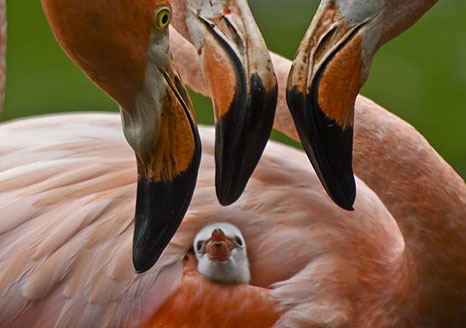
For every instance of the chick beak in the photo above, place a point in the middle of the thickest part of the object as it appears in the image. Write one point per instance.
(243, 87)
(323, 83)
(217, 248)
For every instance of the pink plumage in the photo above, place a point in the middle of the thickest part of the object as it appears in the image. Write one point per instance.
(67, 193)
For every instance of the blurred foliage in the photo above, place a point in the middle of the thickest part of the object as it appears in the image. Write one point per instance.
(420, 76)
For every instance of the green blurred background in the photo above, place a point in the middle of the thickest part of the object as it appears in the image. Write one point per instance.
(420, 76)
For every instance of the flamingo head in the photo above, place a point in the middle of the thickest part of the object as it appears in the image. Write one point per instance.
(123, 46)
(221, 253)
(331, 66)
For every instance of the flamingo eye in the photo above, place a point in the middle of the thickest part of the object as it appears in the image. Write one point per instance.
(162, 18)
(199, 245)
(238, 241)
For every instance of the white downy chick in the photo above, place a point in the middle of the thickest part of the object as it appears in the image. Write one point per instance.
(221, 253)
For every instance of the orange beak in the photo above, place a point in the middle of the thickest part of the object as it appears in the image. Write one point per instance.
(217, 248)
(323, 83)
(242, 84)
(166, 176)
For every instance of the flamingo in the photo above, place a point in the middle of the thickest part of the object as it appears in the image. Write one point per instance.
(369, 267)
(165, 142)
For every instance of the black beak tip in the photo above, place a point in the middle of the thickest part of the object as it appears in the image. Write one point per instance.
(160, 208)
(340, 187)
(227, 194)
(149, 241)
(328, 146)
(139, 271)
(142, 264)
(241, 136)
(226, 199)
(345, 203)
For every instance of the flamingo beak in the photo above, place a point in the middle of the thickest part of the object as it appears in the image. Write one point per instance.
(167, 174)
(243, 88)
(323, 84)
(217, 248)
(157, 114)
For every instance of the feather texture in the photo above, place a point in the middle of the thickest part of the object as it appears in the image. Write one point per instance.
(2, 50)
(67, 205)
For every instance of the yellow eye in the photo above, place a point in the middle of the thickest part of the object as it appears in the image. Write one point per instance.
(162, 17)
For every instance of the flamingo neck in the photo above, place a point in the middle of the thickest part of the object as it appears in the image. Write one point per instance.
(427, 199)
(401, 15)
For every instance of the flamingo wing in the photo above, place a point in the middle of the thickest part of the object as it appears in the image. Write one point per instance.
(67, 190)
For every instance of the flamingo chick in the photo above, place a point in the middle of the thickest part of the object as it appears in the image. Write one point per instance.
(221, 253)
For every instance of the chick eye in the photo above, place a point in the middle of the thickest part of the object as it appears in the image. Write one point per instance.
(239, 241)
(162, 17)
(199, 245)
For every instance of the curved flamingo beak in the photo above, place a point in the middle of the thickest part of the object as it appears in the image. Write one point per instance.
(157, 114)
(323, 83)
(167, 177)
(242, 84)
